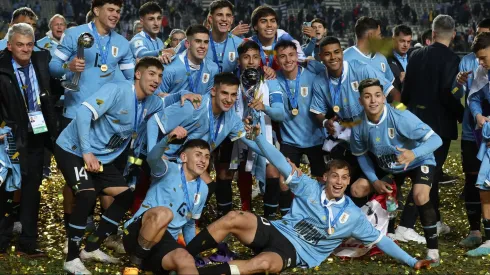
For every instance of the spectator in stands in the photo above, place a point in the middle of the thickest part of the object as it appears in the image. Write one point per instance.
(137, 27)
(176, 35)
(316, 32)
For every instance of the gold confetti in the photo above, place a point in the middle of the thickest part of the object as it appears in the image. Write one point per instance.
(16, 155)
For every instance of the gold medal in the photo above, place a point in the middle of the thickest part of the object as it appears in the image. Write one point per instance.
(295, 112)
(330, 231)
(104, 68)
(336, 108)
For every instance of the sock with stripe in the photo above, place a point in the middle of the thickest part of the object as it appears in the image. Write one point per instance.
(224, 194)
(285, 200)
(78, 222)
(428, 220)
(271, 197)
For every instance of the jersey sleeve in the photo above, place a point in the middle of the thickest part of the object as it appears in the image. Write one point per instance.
(411, 127)
(366, 71)
(475, 103)
(238, 129)
(276, 109)
(365, 231)
(318, 103)
(139, 49)
(126, 64)
(388, 73)
(174, 116)
(214, 71)
(158, 165)
(357, 144)
(100, 102)
(152, 131)
(64, 52)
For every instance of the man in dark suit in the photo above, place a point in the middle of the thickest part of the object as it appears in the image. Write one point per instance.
(25, 99)
(427, 93)
(402, 37)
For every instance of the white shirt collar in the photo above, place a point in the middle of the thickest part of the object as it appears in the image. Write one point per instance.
(330, 202)
(383, 117)
(345, 67)
(365, 55)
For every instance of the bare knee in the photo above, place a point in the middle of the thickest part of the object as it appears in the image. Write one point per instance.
(360, 188)
(160, 216)
(232, 219)
(420, 197)
(182, 258)
(265, 265)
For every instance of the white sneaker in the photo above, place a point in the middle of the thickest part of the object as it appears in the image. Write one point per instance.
(442, 228)
(404, 234)
(17, 228)
(115, 243)
(65, 247)
(255, 191)
(391, 236)
(76, 267)
(98, 256)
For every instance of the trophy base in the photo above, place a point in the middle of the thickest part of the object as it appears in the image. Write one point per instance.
(70, 86)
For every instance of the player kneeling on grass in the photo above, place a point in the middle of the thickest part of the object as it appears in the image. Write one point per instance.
(321, 217)
(173, 203)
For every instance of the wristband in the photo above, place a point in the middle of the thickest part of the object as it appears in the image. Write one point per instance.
(323, 123)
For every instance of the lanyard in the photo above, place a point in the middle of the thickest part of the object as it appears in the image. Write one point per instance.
(213, 130)
(336, 93)
(193, 85)
(332, 225)
(215, 56)
(151, 40)
(262, 54)
(137, 121)
(190, 205)
(293, 98)
(23, 88)
(103, 51)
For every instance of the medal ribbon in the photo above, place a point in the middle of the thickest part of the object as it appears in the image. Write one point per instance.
(334, 222)
(213, 130)
(193, 85)
(190, 205)
(215, 56)
(262, 53)
(104, 52)
(293, 98)
(336, 93)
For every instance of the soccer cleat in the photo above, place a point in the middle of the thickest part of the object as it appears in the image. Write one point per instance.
(404, 234)
(65, 247)
(98, 256)
(433, 254)
(76, 267)
(480, 251)
(471, 241)
(115, 243)
(223, 255)
(442, 228)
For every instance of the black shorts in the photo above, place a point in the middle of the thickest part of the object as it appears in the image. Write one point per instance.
(314, 154)
(423, 174)
(154, 261)
(72, 168)
(469, 150)
(269, 239)
(224, 151)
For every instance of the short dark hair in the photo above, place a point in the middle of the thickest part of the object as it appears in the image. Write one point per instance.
(426, 35)
(195, 143)
(194, 29)
(100, 3)
(406, 30)
(227, 79)
(365, 24)
(285, 44)
(149, 8)
(262, 11)
(24, 11)
(247, 45)
(71, 24)
(319, 20)
(369, 82)
(219, 4)
(481, 42)
(329, 40)
(338, 164)
(89, 17)
(148, 61)
(485, 23)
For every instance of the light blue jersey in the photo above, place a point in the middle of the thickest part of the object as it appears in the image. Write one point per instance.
(143, 45)
(10, 177)
(105, 122)
(3, 43)
(48, 43)
(483, 180)
(395, 128)
(176, 77)
(378, 61)
(170, 189)
(326, 94)
(294, 127)
(468, 63)
(312, 214)
(116, 54)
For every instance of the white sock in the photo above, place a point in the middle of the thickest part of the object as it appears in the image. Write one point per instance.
(234, 270)
(486, 244)
(433, 253)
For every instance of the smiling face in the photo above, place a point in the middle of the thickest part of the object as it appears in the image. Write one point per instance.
(332, 56)
(197, 45)
(337, 180)
(287, 58)
(266, 27)
(108, 15)
(224, 96)
(149, 79)
(373, 101)
(320, 30)
(151, 23)
(196, 160)
(249, 59)
(221, 20)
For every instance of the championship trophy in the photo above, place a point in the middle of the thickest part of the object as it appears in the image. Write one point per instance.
(85, 41)
(250, 79)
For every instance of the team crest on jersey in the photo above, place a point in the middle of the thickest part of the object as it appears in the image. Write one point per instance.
(354, 85)
(344, 218)
(383, 67)
(304, 91)
(115, 50)
(391, 133)
(138, 43)
(205, 78)
(424, 169)
(231, 56)
(47, 45)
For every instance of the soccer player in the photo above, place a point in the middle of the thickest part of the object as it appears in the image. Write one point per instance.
(57, 26)
(401, 144)
(368, 29)
(479, 106)
(321, 217)
(173, 203)
(316, 32)
(190, 70)
(265, 25)
(147, 42)
(104, 125)
(467, 71)
(21, 15)
(296, 85)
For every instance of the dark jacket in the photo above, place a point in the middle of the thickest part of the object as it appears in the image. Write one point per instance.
(396, 67)
(12, 106)
(430, 74)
